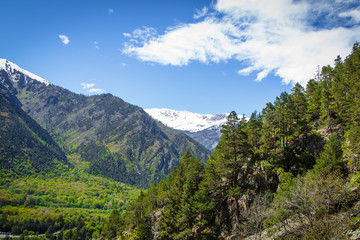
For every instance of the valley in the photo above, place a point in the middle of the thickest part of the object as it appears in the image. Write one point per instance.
(92, 167)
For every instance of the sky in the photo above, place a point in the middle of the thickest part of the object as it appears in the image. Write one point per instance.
(203, 56)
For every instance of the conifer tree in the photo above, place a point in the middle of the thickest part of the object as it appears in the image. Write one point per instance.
(111, 225)
(331, 158)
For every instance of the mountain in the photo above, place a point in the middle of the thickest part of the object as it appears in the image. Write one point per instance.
(25, 147)
(17, 74)
(204, 128)
(119, 140)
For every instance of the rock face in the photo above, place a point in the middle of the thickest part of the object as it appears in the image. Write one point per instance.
(120, 140)
(203, 128)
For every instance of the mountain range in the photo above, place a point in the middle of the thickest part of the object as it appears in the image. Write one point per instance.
(119, 140)
(204, 128)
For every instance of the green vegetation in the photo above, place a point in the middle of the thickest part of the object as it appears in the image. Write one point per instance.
(67, 171)
(25, 147)
(291, 172)
(130, 146)
(75, 201)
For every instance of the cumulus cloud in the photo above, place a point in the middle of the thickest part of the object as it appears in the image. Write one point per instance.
(90, 88)
(279, 37)
(111, 10)
(64, 39)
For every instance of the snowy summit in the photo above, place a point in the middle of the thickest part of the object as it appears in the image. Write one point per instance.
(13, 71)
(186, 121)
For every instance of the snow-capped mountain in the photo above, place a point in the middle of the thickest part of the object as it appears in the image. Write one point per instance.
(15, 72)
(204, 128)
(186, 121)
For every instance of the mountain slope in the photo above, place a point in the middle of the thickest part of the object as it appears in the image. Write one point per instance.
(25, 147)
(203, 128)
(186, 121)
(208, 137)
(120, 140)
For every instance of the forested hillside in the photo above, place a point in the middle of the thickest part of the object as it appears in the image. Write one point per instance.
(121, 141)
(289, 172)
(25, 147)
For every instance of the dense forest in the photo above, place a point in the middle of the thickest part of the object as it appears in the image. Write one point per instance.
(289, 172)
(70, 205)
(25, 147)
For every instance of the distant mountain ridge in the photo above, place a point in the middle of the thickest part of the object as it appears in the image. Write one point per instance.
(185, 120)
(204, 128)
(120, 140)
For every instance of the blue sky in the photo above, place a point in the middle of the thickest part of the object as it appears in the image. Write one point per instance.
(202, 56)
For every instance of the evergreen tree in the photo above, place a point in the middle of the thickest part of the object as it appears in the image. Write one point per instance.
(299, 110)
(233, 148)
(331, 158)
(313, 95)
(111, 225)
(254, 126)
(351, 147)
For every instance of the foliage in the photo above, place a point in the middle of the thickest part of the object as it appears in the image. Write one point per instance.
(25, 147)
(36, 203)
(280, 174)
(136, 146)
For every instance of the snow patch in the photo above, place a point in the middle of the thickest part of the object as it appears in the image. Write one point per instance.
(12, 69)
(186, 121)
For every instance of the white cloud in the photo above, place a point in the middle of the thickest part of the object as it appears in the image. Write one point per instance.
(64, 39)
(111, 10)
(90, 88)
(144, 34)
(201, 13)
(277, 37)
(96, 90)
(354, 14)
(87, 85)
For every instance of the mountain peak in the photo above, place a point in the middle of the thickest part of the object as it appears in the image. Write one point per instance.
(187, 121)
(12, 69)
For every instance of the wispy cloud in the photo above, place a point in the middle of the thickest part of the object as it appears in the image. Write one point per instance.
(280, 37)
(354, 14)
(111, 10)
(64, 39)
(87, 85)
(90, 88)
(96, 90)
(201, 13)
(143, 34)
(96, 45)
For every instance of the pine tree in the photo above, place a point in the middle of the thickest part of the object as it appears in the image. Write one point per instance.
(331, 158)
(233, 147)
(112, 225)
(313, 95)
